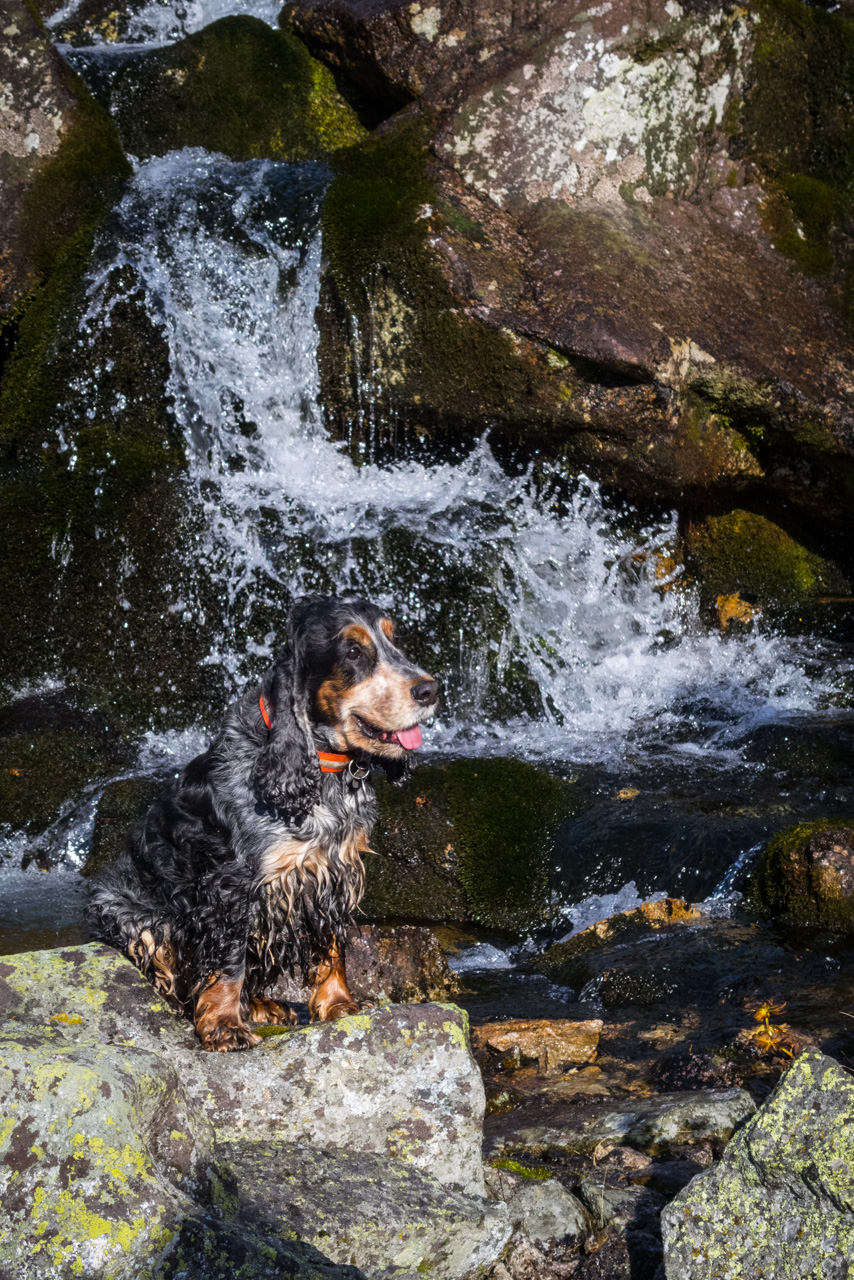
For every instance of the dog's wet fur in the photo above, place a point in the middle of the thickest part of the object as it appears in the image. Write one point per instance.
(249, 866)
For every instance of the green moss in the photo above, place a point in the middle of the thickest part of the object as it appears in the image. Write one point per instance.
(537, 1172)
(744, 553)
(428, 360)
(484, 825)
(804, 57)
(237, 87)
(38, 771)
(785, 883)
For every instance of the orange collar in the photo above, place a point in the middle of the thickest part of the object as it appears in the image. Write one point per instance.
(329, 761)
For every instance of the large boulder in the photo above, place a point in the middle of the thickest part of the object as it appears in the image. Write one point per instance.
(807, 874)
(236, 87)
(601, 237)
(60, 159)
(781, 1201)
(399, 1081)
(384, 1216)
(107, 1168)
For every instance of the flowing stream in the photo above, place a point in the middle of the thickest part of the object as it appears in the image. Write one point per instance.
(559, 626)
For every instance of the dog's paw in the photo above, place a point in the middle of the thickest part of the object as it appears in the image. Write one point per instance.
(228, 1038)
(331, 1012)
(270, 1012)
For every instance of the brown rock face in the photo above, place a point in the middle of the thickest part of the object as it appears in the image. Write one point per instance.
(611, 242)
(553, 1043)
(37, 106)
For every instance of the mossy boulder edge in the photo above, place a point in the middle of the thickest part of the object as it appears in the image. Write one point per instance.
(806, 874)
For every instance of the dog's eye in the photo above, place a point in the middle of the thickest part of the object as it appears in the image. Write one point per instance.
(355, 651)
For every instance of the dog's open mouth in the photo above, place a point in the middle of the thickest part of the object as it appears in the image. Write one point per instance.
(409, 739)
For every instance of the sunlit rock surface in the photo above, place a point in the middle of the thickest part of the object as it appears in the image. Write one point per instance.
(387, 1218)
(780, 1201)
(55, 145)
(399, 1081)
(652, 1124)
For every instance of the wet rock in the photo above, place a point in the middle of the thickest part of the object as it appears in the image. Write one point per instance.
(403, 964)
(379, 1214)
(620, 1206)
(50, 748)
(399, 1081)
(647, 918)
(60, 160)
(552, 1043)
(540, 1206)
(236, 87)
(121, 806)
(780, 1199)
(630, 1255)
(807, 874)
(207, 1248)
(743, 557)
(481, 828)
(720, 371)
(653, 1124)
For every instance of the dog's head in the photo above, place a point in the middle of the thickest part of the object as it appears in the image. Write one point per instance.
(344, 676)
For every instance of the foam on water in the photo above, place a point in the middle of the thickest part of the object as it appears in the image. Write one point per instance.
(162, 22)
(511, 582)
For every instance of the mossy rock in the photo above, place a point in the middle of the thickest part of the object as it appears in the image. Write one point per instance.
(237, 87)
(49, 751)
(470, 838)
(806, 874)
(804, 57)
(742, 553)
(436, 372)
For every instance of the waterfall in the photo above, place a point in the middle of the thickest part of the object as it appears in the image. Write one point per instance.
(554, 622)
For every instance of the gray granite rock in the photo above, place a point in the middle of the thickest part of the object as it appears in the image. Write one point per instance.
(385, 1216)
(781, 1200)
(655, 1124)
(399, 1081)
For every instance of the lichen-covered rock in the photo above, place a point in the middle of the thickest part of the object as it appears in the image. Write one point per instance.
(654, 1124)
(382, 1215)
(60, 160)
(781, 1201)
(102, 1156)
(807, 873)
(619, 159)
(398, 1081)
(549, 1215)
(236, 87)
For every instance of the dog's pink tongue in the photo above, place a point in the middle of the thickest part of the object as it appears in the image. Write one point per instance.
(409, 738)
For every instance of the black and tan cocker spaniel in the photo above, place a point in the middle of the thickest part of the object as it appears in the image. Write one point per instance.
(250, 865)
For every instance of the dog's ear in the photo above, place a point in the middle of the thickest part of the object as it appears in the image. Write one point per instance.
(287, 770)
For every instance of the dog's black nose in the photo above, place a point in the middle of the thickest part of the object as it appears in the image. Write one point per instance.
(425, 693)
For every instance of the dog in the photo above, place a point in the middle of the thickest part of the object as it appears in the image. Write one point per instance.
(249, 866)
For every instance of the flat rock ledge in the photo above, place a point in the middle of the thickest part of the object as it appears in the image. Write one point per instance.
(332, 1151)
(781, 1201)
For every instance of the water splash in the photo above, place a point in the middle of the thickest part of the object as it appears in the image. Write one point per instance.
(161, 22)
(552, 625)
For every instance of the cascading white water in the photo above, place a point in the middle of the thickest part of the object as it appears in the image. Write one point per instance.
(160, 22)
(552, 632)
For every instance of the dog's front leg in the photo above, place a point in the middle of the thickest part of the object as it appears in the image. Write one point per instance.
(217, 1017)
(330, 997)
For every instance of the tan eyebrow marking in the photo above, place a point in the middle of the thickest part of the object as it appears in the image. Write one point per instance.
(387, 628)
(360, 634)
